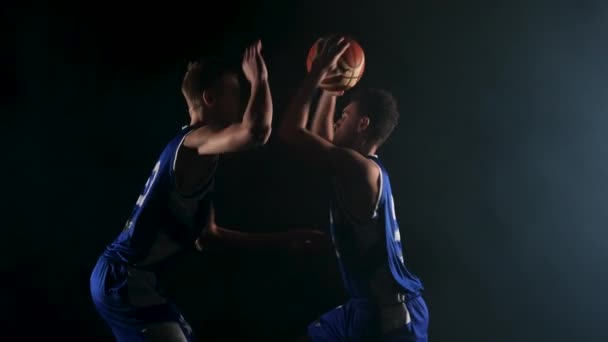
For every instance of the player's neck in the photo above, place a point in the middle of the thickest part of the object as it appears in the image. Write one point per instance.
(198, 119)
(370, 151)
(195, 121)
(365, 149)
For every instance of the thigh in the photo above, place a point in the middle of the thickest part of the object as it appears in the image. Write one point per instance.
(154, 323)
(165, 331)
(353, 321)
(164, 323)
(331, 326)
(420, 318)
(416, 329)
(142, 288)
(129, 301)
(150, 332)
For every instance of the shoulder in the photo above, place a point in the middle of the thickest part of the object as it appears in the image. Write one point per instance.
(358, 184)
(177, 140)
(350, 163)
(190, 169)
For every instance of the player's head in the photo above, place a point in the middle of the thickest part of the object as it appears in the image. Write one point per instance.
(212, 90)
(368, 120)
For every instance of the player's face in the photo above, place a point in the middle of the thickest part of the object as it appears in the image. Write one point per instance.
(228, 98)
(346, 129)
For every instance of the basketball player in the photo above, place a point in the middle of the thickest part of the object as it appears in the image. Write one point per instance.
(175, 203)
(386, 302)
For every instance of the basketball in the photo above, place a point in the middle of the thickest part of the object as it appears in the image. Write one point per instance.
(350, 66)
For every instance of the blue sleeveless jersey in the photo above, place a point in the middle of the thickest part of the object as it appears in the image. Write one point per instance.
(369, 253)
(157, 228)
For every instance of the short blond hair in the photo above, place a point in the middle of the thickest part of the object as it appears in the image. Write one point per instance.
(200, 75)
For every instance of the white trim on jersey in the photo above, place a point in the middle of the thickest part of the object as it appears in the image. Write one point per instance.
(380, 188)
(177, 150)
(149, 183)
(205, 183)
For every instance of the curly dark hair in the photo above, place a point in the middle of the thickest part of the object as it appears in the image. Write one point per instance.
(381, 108)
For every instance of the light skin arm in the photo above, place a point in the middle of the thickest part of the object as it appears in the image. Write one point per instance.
(255, 128)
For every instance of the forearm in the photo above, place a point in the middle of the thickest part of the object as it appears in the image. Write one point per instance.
(259, 111)
(297, 240)
(241, 240)
(323, 120)
(297, 112)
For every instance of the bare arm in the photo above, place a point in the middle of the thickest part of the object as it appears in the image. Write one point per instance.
(254, 129)
(349, 168)
(298, 110)
(323, 120)
(294, 239)
(316, 148)
(301, 239)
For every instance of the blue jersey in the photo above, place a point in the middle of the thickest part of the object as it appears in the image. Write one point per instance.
(162, 221)
(369, 253)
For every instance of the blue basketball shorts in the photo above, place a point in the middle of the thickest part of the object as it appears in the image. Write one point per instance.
(129, 301)
(359, 320)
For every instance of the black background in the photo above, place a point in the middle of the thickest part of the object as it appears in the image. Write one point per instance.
(498, 165)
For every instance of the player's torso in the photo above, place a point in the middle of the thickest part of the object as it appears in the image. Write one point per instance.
(361, 251)
(369, 251)
(172, 208)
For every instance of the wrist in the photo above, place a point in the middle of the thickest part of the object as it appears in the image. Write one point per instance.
(258, 81)
(331, 95)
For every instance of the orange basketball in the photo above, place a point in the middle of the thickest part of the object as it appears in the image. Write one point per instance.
(350, 66)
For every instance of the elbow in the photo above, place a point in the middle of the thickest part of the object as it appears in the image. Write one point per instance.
(259, 135)
(263, 135)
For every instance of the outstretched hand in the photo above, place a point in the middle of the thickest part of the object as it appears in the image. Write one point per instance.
(330, 51)
(254, 66)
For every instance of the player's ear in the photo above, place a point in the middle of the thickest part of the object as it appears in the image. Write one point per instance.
(363, 123)
(208, 97)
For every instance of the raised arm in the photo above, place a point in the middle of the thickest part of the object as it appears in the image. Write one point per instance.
(255, 127)
(323, 120)
(347, 167)
(316, 149)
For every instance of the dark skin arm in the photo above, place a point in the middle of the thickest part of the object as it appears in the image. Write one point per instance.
(353, 172)
(300, 240)
(323, 120)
